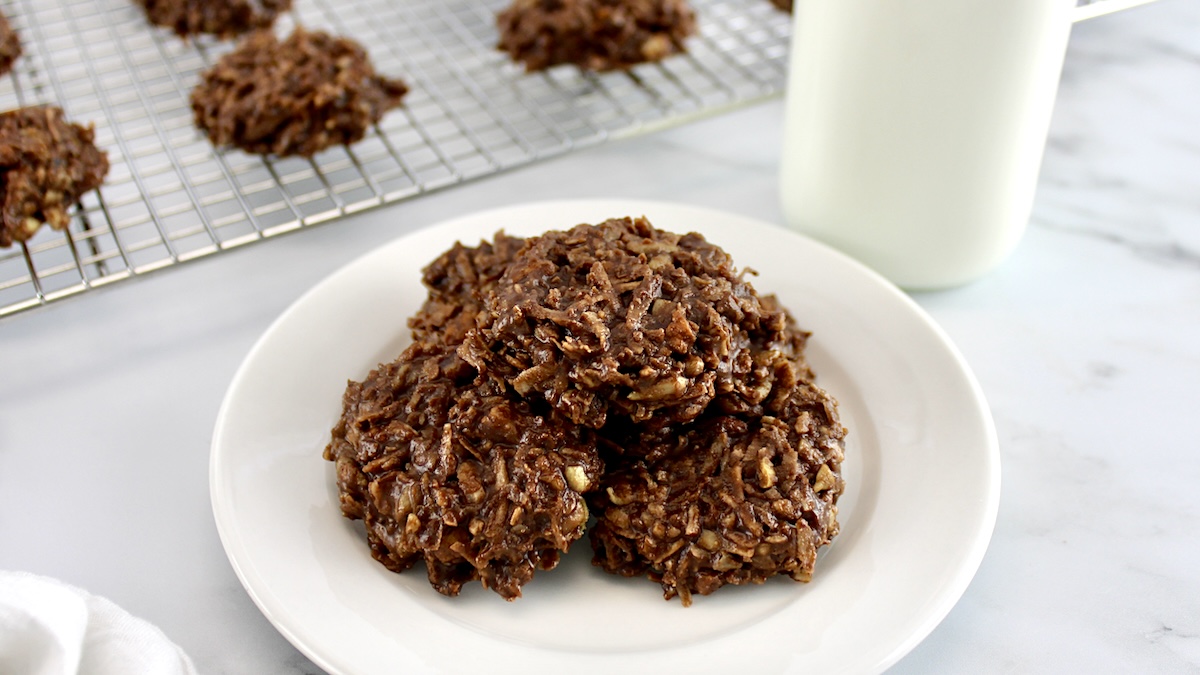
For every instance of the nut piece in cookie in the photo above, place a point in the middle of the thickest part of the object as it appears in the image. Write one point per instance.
(594, 34)
(623, 320)
(10, 45)
(46, 164)
(746, 498)
(295, 97)
(456, 471)
(223, 18)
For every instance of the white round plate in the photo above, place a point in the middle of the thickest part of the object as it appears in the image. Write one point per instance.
(922, 473)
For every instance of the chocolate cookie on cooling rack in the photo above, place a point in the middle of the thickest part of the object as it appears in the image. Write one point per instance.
(452, 469)
(621, 320)
(741, 499)
(46, 165)
(10, 45)
(295, 97)
(594, 34)
(223, 18)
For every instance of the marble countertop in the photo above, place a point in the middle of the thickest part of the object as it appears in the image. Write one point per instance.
(1086, 343)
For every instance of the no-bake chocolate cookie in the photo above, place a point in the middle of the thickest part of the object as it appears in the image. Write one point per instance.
(594, 34)
(738, 499)
(223, 18)
(295, 97)
(626, 320)
(10, 45)
(453, 469)
(46, 164)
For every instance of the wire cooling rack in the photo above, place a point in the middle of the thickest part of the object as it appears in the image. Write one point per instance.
(170, 197)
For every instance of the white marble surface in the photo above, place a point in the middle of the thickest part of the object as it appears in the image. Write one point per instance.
(1086, 343)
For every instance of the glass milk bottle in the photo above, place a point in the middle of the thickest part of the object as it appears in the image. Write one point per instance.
(915, 129)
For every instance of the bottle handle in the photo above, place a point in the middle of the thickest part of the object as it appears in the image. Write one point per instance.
(1101, 7)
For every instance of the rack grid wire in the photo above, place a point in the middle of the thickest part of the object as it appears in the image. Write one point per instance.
(170, 197)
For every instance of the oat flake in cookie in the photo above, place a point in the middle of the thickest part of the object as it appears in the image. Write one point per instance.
(10, 45)
(46, 164)
(295, 97)
(223, 18)
(594, 34)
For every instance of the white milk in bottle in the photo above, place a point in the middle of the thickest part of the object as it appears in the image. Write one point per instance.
(915, 129)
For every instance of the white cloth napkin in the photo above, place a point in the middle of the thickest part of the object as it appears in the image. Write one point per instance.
(50, 628)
